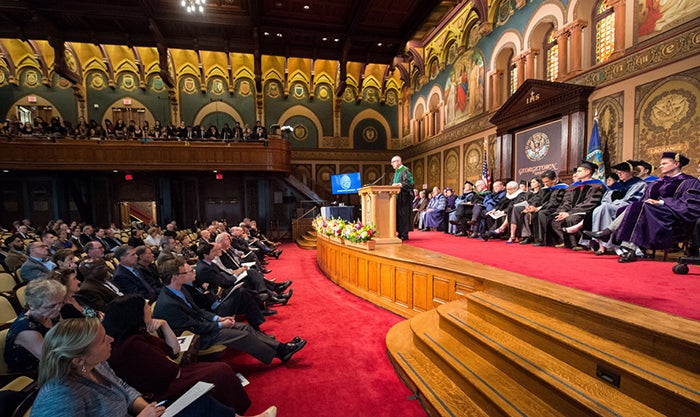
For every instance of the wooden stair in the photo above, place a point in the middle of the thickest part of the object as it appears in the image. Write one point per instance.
(307, 240)
(513, 353)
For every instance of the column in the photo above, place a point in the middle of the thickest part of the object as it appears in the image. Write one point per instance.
(530, 59)
(576, 29)
(495, 77)
(562, 37)
(619, 9)
(520, 65)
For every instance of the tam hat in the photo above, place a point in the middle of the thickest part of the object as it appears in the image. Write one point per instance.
(676, 157)
(588, 165)
(627, 166)
(643, 163)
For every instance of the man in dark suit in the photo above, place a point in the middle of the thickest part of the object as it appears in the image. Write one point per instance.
(180, 311)
(128, 278)
(97, 289)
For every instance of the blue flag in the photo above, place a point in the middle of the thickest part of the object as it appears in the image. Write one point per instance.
(595, 155)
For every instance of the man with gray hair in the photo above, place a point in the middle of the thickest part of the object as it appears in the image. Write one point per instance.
(38, 264)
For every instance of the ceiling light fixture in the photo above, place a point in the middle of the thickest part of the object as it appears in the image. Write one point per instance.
(194, 5)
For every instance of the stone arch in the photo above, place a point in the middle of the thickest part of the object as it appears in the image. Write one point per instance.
(40, 101)
(300, 110)
(218, 106)
(547, 13)
(509, 39)
(370, 114)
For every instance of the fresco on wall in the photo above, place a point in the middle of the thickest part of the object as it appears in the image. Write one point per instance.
(609, 127)
(669, 119)
(464, 89)
(656, 16)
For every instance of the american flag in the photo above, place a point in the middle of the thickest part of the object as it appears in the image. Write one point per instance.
(485, 172)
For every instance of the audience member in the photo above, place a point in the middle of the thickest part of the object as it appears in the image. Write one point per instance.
(181, 313)
(435, 212)
(147, 362)
(15, 252)
(26, 334)
(580, 199)
(618, 196)
(76, 380)
(38, 264)
(73, 305)
(649, 223)
(129, 278)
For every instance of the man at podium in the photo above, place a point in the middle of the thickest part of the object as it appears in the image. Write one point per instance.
(404, 200)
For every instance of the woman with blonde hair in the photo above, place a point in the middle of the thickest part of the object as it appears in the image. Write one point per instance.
(76, 380)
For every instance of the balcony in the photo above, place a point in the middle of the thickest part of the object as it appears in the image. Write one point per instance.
(41, 153)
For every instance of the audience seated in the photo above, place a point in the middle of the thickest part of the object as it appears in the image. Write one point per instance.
(147, 362)
(580, 198)
(76, 380)
(650, 223)
(521, 216)
(497, 219)
(419, 206)
(25, 338)
(38, 264)
(147, 267)
(435, 212)
(181, 313)
(620, 194)
(480, 211)
(15, 252)
(73, 305)
(129, 278)
(542, 214)
(97, 289)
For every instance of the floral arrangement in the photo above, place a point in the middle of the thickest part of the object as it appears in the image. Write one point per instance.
(329, 227)
(358, 232)
(352, 231)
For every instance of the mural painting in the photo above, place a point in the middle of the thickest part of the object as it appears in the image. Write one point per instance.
(656, 16)
(464, 90)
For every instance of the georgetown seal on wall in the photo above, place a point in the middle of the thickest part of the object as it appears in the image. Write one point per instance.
(537, 146)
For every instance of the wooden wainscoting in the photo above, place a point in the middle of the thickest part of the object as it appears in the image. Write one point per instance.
(402, 279)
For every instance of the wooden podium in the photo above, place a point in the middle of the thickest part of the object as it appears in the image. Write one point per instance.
(379, 208)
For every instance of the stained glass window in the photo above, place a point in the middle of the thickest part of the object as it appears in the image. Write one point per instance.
(551, 56)
(604, 34)
(512, 75)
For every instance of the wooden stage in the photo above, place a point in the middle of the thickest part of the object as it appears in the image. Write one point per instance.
(481, 341)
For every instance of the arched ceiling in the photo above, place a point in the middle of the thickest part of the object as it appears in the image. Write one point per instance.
(367, 31)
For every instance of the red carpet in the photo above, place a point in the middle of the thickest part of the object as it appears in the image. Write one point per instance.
(646, 283)
(344, 369)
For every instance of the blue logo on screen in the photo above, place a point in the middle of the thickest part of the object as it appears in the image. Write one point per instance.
(345, 183)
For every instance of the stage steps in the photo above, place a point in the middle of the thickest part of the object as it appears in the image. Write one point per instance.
(307, 240)
(510, 355)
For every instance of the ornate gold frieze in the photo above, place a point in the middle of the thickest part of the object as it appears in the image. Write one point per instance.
(682, 46)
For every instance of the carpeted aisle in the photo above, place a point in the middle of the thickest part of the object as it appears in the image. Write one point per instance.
(646, 283)
(344, 369)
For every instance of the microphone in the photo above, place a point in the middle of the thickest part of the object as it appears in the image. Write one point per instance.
(376, 181)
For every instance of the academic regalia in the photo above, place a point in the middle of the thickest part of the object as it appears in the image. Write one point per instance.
(650, 226)
(579, 200)
(436, 217)
(404, 200)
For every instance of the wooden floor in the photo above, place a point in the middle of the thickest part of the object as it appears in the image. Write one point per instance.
(503, 344)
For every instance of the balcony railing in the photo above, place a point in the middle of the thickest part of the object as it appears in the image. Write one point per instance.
(31, 153)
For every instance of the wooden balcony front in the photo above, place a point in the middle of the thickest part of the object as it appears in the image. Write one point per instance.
(99, 155)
